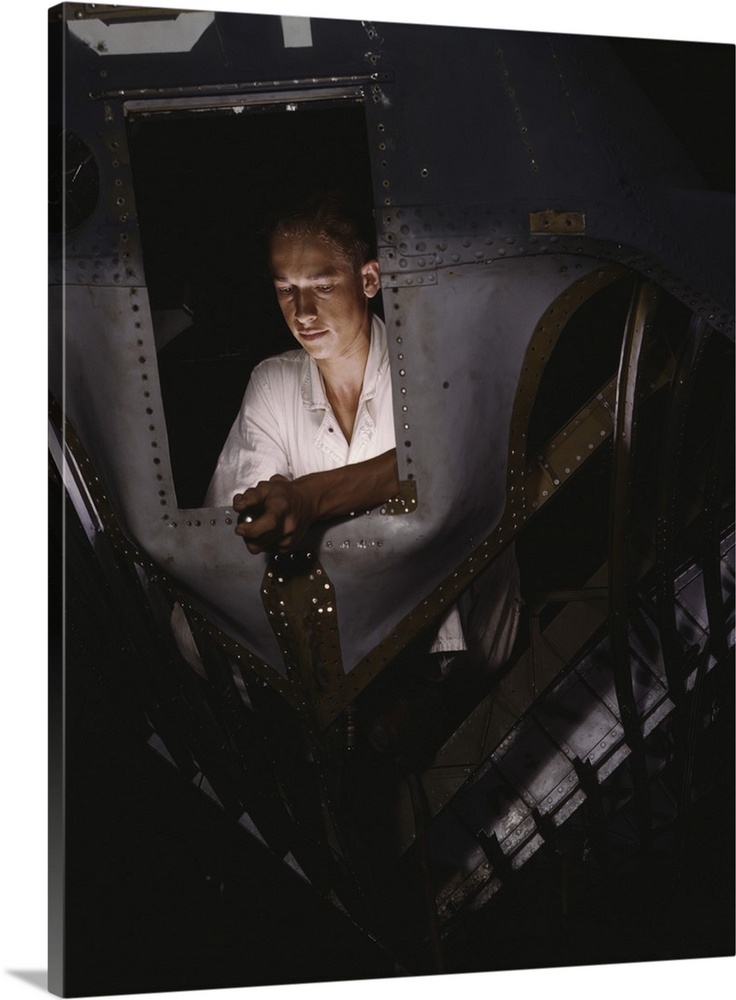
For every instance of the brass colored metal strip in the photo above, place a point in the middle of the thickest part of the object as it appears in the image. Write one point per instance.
(556, 222)
(299, 599)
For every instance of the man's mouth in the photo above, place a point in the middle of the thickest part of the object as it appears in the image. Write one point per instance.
(312, 334)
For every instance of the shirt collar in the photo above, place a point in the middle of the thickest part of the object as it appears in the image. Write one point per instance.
(313, 390)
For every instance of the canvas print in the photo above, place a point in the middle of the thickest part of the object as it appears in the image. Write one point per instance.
(391, 499)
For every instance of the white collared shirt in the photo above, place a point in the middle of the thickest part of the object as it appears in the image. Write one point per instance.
(286, 424)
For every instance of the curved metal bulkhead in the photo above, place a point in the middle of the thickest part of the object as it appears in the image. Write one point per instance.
(503, 175)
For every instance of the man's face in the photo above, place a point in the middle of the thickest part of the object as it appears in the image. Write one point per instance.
(323, 298)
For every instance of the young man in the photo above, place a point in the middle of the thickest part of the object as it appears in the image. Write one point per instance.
(314, 438)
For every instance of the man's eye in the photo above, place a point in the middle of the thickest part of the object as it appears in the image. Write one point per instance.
(283, 291)
(325, 288)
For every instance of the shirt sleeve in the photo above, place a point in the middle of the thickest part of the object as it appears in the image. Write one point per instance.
(255, 448)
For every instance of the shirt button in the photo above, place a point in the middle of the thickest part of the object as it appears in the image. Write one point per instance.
(331, 430)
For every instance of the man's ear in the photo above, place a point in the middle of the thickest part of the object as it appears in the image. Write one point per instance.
(370, 274)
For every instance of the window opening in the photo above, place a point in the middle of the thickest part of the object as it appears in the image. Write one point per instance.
(205, 181)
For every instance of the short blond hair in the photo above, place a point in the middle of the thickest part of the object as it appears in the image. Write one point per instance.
(327, 216)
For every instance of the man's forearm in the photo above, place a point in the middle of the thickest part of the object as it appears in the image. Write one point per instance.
(352, 488)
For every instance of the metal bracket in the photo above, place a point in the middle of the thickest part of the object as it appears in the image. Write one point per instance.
(551, 221)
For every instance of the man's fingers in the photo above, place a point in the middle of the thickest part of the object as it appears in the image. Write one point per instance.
(246, 499)
(271, 516)
(267, 535)
(264, 529)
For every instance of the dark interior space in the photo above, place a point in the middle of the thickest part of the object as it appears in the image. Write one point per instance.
(692, 85)
(584, 358)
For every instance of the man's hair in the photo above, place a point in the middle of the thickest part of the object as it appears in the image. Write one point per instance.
(328, 216)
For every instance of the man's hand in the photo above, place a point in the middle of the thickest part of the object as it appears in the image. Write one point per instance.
(283, 510)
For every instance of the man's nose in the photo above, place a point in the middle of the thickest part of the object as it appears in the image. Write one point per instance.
(305, 306)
